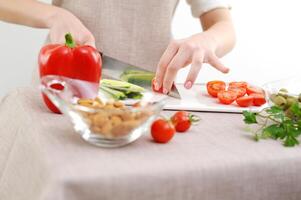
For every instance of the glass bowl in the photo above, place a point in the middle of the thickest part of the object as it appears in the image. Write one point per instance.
(101, 122)
(292, 85)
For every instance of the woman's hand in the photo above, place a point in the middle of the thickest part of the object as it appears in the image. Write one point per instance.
(217, 39)
(41, 15)
(195, 50)
(64, 22)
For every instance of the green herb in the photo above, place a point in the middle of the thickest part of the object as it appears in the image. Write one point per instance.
(277, 123)
(250, 118)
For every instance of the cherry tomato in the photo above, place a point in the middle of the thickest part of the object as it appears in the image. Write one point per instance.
(245, 101)
(226, 97)
(241, 84)
(181, 121)
(162, 131)
(258, 99)
(240, 91)
(253, 89)
(213, 87)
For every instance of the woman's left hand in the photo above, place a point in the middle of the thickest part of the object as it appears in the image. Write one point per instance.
(195, 50)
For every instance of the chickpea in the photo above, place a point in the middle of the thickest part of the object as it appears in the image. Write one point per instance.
(115, 120)
(126, 116)
(109, 106)
(124, 128)
(100, 118)
(86, 102)
(118, 104)
(99, 101)
(106, 129)
(96, 129)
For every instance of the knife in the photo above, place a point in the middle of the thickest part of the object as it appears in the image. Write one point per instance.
(113, 69)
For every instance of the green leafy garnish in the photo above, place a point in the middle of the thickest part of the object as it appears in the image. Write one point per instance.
(277, 123)
(250, 118)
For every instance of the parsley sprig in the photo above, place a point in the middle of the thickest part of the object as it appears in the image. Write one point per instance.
(277, 123)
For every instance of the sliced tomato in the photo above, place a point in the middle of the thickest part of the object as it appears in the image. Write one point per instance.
(240, 91)
(258, 99)
(245, 101)
(241, 84)
(227, 97)
(254, 89)
(214, 87)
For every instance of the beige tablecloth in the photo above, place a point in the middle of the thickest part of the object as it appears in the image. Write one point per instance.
(42, 158)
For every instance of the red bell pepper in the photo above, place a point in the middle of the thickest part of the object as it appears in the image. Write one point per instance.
(69, 60)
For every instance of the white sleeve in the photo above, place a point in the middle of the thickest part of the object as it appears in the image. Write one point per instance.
(199, 7)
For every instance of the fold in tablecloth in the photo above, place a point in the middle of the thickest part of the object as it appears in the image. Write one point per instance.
(42, 158)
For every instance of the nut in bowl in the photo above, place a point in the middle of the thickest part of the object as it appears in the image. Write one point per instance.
(102, 122)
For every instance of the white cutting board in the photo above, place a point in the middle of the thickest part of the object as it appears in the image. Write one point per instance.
(194, 99)
(197, 99)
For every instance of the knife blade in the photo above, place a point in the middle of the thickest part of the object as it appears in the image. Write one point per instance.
(113, 69)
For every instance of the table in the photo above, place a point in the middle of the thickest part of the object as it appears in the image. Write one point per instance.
(42, 158)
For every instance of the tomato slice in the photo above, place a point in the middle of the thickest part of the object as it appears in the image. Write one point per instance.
(245, 101)
(214, 87)
(227, 97)
(240, 91)
(254, 89)
(258, 99)
(240, 84)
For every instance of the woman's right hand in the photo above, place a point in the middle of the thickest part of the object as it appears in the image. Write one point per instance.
(64, 22)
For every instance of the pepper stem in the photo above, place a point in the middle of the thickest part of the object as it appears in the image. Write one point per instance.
(69, 41)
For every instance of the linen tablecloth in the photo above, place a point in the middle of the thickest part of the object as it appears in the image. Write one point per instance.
(42, 158)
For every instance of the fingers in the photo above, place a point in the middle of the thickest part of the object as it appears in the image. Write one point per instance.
(174, 66)
(85, 38)
(216, 63)
(90, 41)
(56, 38)
(196, 65)
(166, 58)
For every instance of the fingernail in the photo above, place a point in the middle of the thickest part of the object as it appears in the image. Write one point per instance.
(188, 84)
(165, 91)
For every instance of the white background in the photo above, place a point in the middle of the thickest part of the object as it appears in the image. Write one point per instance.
(268, 44)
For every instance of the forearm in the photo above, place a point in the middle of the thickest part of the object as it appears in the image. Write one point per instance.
(27, 12)
(219, 29)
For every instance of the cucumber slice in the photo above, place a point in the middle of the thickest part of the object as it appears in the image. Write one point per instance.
(121, 85)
